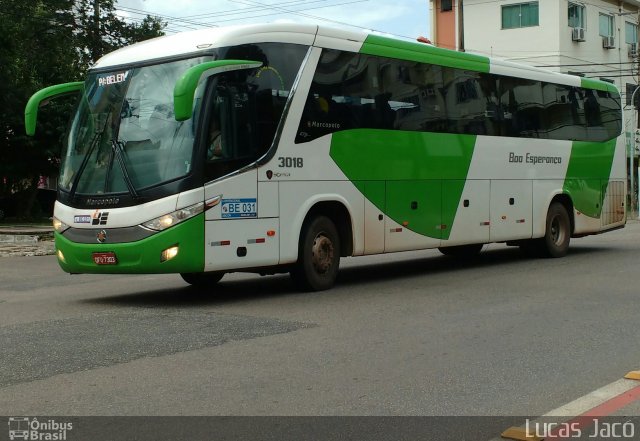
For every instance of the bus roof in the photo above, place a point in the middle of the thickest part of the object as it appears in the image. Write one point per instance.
(193, 42)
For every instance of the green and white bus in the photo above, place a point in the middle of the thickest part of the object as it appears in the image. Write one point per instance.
(281, 148)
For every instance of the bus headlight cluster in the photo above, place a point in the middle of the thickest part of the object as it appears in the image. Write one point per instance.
(58, 225)
(171, 219)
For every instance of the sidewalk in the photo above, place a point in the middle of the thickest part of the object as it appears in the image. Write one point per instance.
(26, 240)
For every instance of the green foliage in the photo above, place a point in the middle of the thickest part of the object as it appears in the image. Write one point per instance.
(46, 42)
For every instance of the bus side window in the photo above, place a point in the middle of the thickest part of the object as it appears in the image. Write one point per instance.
(592, 109)
(214, 142)
(318, 117)
(384, 115)
(266, 120)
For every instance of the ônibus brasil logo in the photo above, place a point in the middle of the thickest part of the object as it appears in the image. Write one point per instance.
(31, 429)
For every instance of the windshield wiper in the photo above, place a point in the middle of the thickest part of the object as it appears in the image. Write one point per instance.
(117, 148)
(85, 160)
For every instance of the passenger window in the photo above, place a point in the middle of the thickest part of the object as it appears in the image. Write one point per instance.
(352, 90)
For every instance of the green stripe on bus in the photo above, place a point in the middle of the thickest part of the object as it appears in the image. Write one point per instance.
(142, 256)
(590, 83)
(424, 53)
(413, 177)
(588, 175)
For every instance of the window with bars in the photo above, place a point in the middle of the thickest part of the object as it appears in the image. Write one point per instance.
(520, 15)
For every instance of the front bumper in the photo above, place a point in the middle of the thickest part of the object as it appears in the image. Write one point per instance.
(142, 256)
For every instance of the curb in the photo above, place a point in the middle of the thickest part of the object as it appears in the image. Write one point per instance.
(25, 249)
(18, 238)
(16, 241)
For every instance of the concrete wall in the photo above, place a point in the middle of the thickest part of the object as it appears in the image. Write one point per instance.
(484, 34)
(446, 31)
(550, 44)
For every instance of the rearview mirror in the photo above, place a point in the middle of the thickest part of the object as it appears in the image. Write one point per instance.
(41, 97)
(185, 87)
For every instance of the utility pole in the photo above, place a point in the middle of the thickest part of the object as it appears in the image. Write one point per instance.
(633, 146)
(632, 153)
(96, 50)
(460, 26)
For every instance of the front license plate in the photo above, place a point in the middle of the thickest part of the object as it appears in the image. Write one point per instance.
(105, 258)
(237, 208)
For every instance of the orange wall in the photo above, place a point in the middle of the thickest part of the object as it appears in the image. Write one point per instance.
(446, 27)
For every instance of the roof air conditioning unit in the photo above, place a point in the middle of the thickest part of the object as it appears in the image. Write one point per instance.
(633, 50)
(577, 34)
(608, 42)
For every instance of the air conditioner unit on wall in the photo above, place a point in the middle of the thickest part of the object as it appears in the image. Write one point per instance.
(608, 42)
(577, 34)
(633, 50)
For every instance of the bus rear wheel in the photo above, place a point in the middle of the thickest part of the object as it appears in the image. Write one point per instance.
(558, 234)
(202, 280)
(555, 242)
(318, 255)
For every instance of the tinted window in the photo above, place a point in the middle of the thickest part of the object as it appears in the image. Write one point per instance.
(245, 106)
(353, 90)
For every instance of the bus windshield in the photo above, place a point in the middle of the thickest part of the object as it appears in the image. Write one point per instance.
(124, 136)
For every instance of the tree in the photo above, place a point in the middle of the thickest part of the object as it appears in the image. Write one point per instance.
(102, 31)
(45, 42)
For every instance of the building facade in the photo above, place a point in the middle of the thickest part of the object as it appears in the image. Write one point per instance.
(595, 39)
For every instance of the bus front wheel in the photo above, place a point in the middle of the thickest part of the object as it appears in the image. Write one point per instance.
(202, 280)
(318, 255)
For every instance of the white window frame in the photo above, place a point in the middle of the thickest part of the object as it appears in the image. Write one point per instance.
(582, 17)
(520, 26)
(612, 27)
(635, 25)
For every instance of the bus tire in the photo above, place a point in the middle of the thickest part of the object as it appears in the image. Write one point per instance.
(555, 242)
(318, 255)
(462, 251)
(202, 280)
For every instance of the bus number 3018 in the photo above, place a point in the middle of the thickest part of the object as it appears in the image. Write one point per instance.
(289, 162)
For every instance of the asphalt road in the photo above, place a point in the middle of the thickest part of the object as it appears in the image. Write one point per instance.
(405, 334)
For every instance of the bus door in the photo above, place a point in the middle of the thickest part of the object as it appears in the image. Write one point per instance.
(241, 228)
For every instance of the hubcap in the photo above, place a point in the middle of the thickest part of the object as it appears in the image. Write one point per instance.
(557, 233)
(322, 253)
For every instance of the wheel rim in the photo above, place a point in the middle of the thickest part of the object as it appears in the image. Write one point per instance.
(322, 253)
(557, 231)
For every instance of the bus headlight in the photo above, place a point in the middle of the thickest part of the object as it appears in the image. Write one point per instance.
(171, 219)
(58, 225)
